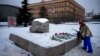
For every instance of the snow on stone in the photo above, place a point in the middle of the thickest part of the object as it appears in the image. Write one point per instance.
(40, 25)
(43, 39)
(42, 20)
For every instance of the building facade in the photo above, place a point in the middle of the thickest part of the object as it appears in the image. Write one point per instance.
(59, 10)
(8, 10)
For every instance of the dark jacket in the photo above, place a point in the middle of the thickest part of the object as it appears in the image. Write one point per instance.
(85, 31)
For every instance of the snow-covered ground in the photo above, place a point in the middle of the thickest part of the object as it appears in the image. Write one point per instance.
(3, 23)
(7, 48)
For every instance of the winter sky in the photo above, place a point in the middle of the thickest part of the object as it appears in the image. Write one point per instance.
(89, 5)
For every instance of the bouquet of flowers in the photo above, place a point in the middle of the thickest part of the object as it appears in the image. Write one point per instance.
(60, 36)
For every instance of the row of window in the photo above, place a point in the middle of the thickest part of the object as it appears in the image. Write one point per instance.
(61, 6)
(61, 9)
(52, 5)
(67, 8)
(7, 11)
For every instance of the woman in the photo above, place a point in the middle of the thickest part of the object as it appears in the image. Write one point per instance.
(86, 34)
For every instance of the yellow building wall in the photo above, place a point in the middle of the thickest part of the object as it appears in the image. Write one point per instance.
(60, 8)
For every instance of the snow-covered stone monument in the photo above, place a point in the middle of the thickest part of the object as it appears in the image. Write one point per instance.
(40, 25)
(52, 43)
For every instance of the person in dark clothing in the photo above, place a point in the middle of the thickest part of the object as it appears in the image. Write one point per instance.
(86, 34)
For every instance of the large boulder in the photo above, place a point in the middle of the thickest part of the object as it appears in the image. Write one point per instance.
(40, 25)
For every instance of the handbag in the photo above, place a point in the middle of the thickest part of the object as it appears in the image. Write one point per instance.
(79, 35)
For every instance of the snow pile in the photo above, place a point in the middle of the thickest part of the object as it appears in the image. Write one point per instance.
(42, 20)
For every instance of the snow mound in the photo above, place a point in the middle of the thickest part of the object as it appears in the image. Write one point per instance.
(42, 20)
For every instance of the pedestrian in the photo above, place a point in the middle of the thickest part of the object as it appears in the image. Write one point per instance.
(86, 34)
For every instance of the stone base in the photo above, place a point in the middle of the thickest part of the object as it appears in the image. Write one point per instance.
(37, 50)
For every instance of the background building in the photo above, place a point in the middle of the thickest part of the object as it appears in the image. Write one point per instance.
(59, 10)
(8, 10)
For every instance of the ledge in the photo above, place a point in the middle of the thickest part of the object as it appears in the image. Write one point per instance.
(38, 50)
